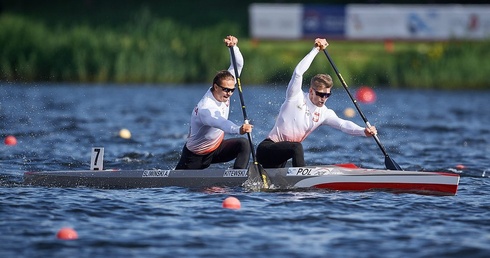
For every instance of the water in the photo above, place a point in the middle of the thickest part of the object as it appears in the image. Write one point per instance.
(57, 125)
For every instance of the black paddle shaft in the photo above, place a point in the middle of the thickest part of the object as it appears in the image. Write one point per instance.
(390, 163)
(262, 173)
(242, 102)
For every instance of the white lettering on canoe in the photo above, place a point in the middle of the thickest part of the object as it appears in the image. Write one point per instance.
(235, 173)
(155, 173)
(316, 171)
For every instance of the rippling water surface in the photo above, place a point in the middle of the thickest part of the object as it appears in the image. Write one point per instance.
(57, 125)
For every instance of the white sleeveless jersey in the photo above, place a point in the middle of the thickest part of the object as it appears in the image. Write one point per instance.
(209, 119)
(299, 117)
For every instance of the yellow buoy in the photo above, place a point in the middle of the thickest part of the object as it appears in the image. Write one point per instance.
(349, 112)
(125, 133)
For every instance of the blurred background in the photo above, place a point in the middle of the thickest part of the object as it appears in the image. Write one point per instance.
(398, 44)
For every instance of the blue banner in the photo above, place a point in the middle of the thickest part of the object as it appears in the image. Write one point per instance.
(325, 21)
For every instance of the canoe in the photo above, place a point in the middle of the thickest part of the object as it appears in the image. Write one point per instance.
(342, 177)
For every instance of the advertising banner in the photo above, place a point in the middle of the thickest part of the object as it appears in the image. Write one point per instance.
(323, 21)
(427, 22)
(370, 21)
(276, 21)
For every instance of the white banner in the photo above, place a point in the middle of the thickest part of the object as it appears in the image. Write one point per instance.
(279, 21)
(428, 22)
(370, 21)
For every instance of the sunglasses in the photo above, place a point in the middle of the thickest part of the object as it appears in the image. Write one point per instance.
(227, 90)
(322, 94)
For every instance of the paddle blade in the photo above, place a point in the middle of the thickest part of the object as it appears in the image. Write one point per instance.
(391, 164)
(257, 178)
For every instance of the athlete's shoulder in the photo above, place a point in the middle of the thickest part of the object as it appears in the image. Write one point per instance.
(328, 113)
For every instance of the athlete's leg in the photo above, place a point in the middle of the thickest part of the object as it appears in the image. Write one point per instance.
(189, 160)
(275, 154)
(236, 148)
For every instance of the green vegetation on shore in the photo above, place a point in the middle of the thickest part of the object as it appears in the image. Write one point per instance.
(155, 50)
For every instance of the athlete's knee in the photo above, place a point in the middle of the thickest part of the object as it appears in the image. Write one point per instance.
(244, 144)
(297, 147)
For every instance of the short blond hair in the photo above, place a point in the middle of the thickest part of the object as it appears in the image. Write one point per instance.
(321, 81)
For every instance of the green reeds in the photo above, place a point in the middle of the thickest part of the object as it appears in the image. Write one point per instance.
(151, 50)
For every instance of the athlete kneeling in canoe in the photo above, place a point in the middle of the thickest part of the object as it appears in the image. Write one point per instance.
(209, 123)
(300, 114)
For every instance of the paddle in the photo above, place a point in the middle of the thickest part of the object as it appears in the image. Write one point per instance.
(389, 162)
(256, 173)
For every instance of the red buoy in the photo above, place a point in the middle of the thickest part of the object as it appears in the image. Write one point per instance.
(365, 95)
(67, 234)
(10, 140)
(231, 203)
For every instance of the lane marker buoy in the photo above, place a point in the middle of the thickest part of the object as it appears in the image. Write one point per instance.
(231, 203)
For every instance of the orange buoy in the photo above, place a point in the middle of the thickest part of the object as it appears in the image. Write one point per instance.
(460, 166)
(365, 94)
(67, 234)
(10, 140)
(231, 203)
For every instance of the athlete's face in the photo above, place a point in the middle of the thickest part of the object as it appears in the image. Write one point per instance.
(224, 91)
(319, 97)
